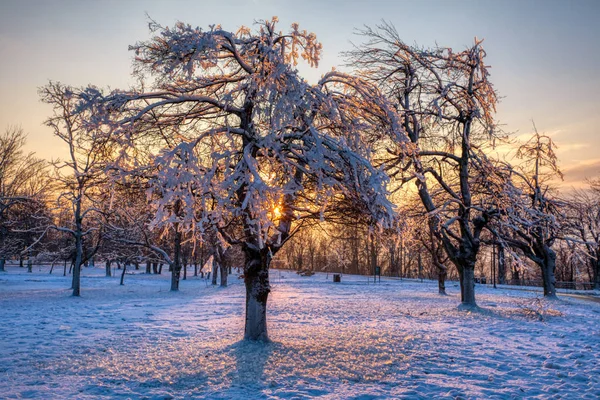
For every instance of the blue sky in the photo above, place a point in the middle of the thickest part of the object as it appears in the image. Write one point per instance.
(545, 54)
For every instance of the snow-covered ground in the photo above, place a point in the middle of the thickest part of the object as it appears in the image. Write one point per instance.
(395, 339)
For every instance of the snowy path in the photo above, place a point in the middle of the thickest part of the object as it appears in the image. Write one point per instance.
(349, 340)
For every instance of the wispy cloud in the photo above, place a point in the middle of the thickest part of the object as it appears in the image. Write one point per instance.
(576, 175)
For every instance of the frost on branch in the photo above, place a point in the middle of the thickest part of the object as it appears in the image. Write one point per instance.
(231, 131)
(231, 139)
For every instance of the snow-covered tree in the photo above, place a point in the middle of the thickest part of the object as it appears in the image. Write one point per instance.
(446, 105)
(531, 212)
(128, 235)
(583, 210)
(240, 142)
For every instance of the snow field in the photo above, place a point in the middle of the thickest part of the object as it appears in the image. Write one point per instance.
(396, 339)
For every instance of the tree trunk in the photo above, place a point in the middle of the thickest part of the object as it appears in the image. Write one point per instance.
(256, 280)
(596, 282)
(460, 280)
(65, 269)
(123, 274)
(401, 258)
(155, 268)
(107, 267)
(420, 265)
(355, 252)
(548, 267)
(77, 266)
(2, 263)
(29, 265)
(195, 269)
(51, 268)
(176, 266)
(214, 272)
(21, 265)
(467, 286)
(393, 261)
(148, 267)
(185, 271)
(501, 266)
(160, 266)
(466, 273)
(223, 269)
(516, 276)
(372, 253)
(442, 273)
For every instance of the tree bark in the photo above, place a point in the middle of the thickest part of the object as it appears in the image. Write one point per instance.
(256, 280)
(214, 272)
(2, 263)
(516, 276)
(176, 266)
(460, 280)
(371, 247)
(78, 249)
(467, 286)
(401, 258)
(420, 265)
(393, 261)
(596, 282)
(501, 265)
(148, 267)
(223, 269)
(442, 273)
(29, 265)
(355, 251)
(123, 274)
(548, 267)
(595, 275)
(77, 265)
(107, 267)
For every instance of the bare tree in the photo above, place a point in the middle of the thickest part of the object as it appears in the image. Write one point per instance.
(24, 186)
(532, 212)
(80, 174)
(583, 227)
(446, 105)
(128, 228)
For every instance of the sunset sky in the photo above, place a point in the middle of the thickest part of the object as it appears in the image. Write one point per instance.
(545, 54)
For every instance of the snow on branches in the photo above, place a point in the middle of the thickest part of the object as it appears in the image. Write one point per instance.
(230, 130)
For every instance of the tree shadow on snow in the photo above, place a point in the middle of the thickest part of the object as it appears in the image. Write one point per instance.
(250, 360)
